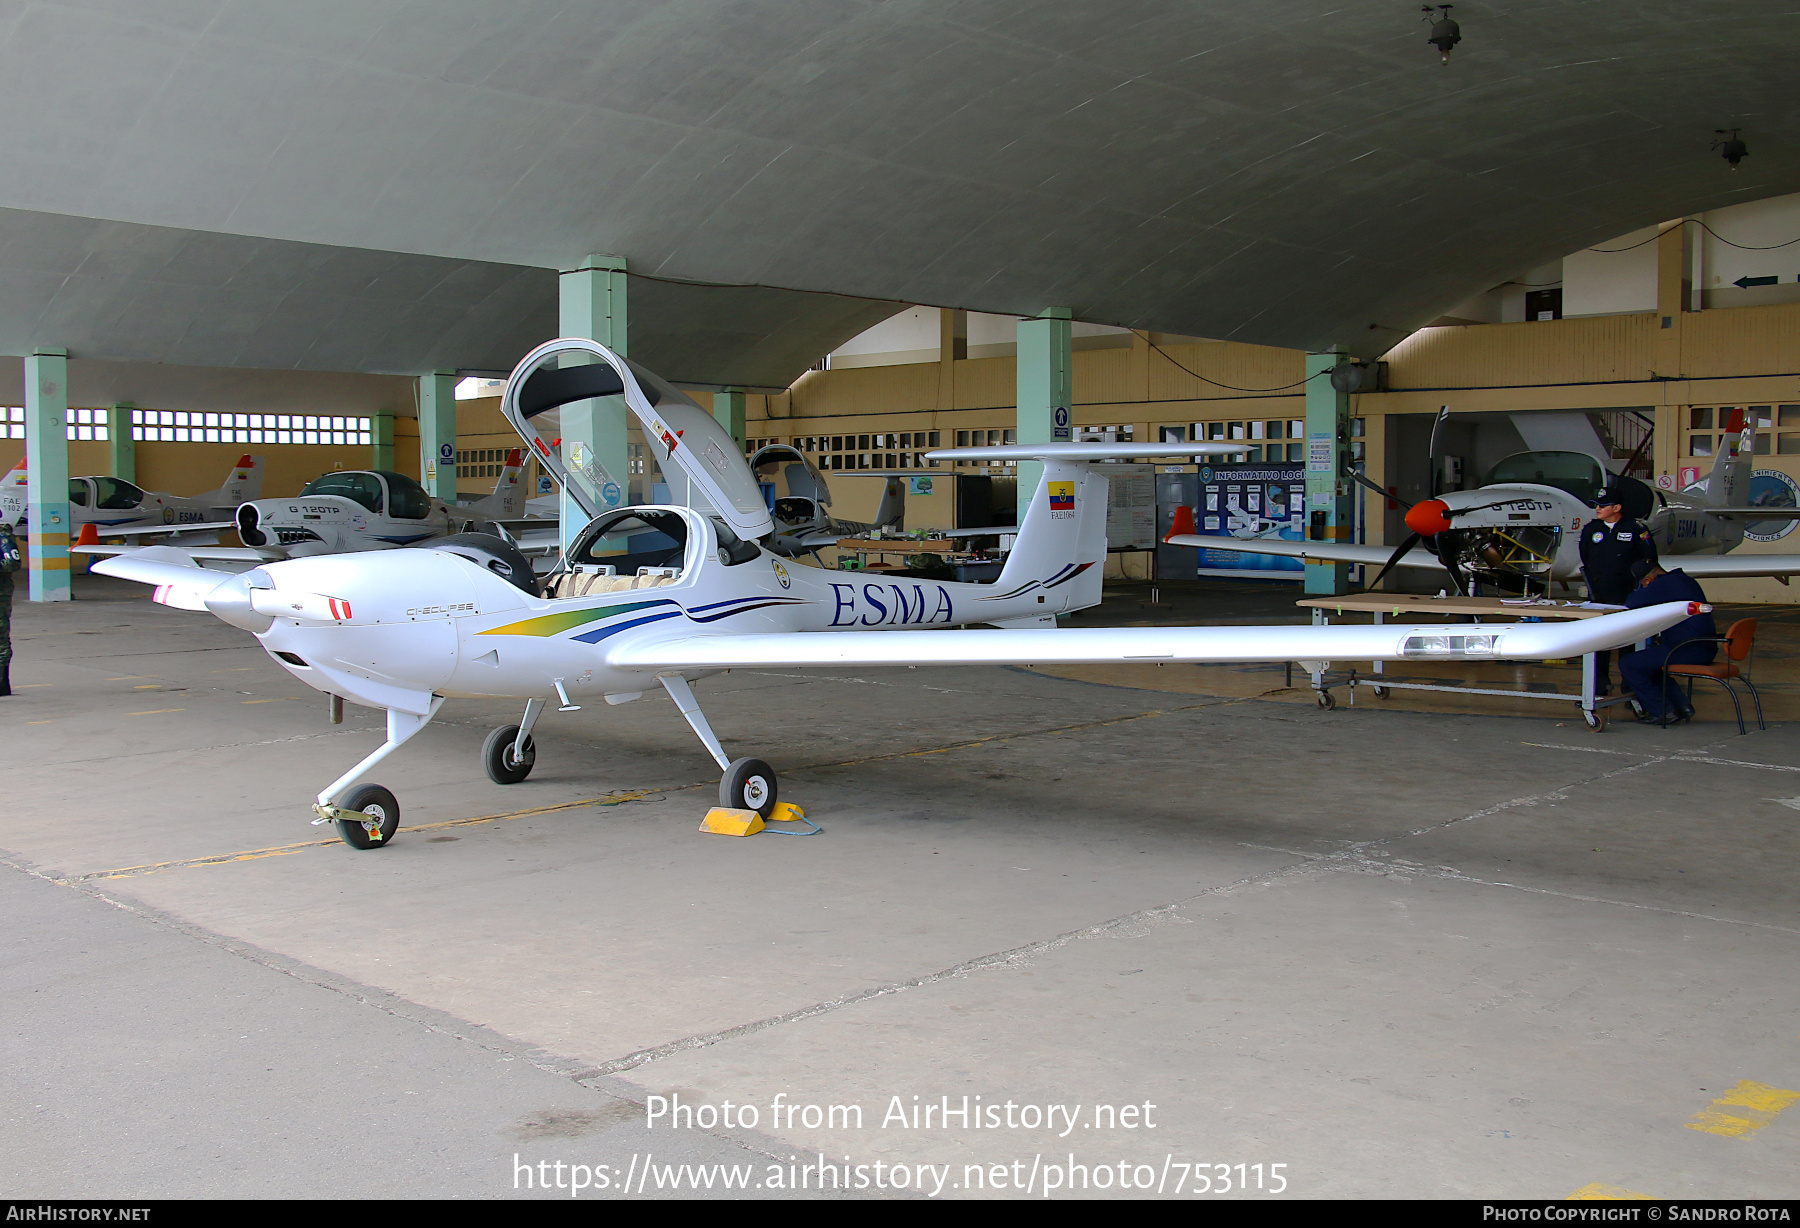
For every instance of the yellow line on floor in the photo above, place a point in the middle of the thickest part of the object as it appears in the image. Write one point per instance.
(611, 799)
(1753, 1105)
(1601, 1192)
(156, 712)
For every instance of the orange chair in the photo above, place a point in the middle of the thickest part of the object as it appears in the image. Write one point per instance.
(1740, 642)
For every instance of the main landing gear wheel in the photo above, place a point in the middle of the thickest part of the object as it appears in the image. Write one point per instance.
(1326, 701)
(749, 784)
(1595, 720)
(503, 767)
(382, 822)
(1381, 692)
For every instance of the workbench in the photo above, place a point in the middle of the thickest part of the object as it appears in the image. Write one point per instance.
(1411, 606)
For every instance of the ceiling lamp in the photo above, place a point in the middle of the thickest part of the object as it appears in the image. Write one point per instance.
(1445, 33)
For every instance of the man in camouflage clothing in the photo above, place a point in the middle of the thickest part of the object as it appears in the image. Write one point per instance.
(10, 562)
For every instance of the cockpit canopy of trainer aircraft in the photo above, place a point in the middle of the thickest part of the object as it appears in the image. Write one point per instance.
(402, 498)
(704, 465)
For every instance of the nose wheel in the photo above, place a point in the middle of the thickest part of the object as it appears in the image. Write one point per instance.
(378, 817)
(749, 784)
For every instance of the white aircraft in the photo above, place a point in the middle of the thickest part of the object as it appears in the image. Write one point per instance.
(116, 508)
(1523, 528)
(652, 597)
(357, 510)
(803, 520)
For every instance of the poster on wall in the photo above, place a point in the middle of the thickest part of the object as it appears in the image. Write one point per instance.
(1130, 506)
(1245, 501)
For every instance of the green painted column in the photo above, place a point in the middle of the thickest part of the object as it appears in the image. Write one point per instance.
(47, 467)
(120, 446)
(381, 440)
(1328, 483)
(437, 434)
(591, 303)
(1045, 393)
(731, 408)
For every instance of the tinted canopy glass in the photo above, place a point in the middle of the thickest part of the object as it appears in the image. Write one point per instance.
(363, 488)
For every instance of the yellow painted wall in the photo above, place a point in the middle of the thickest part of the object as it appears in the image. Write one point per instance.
(1730, 356)
(193, 468)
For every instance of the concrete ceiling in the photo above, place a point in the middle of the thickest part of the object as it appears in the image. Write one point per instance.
(1290, 172)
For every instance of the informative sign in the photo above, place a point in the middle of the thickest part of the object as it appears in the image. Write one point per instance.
(1059, 423)
(1245, 501)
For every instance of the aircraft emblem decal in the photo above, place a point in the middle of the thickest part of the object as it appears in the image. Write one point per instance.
(781, 573)
(1062, 496)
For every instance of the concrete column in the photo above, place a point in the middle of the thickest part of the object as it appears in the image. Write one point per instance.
(1328, 484)
(591, 303)
(121, 447)
(1045, 390)
(731, 408)
(1674, 293)
(381, 440)
(437, 434)
(47, 466)
(953, 346)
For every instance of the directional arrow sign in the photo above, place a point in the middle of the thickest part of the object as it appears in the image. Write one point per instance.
(1744, 283)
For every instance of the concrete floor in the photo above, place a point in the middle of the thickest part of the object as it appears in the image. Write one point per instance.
(1402, 950)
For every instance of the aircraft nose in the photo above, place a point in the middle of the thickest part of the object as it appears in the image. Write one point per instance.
(1428, 518)
(249, 520)
(230, 601)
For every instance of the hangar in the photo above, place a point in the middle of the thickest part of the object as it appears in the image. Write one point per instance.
(1450, 947)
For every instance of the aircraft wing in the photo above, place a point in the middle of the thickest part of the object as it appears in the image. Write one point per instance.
(169, 530)
(236, 553)
(1721, 566)
(179, 582)
(1102, 645)
(1314, 552)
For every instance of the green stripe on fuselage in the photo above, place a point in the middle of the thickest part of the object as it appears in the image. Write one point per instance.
(555, 624)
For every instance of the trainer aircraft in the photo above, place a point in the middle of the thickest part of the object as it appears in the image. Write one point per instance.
(655, 598)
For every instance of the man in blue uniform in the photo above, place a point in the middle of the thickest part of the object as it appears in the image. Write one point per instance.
(1610, 544)
(1643, 669)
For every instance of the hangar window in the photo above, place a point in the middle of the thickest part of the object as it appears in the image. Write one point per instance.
(15, 421)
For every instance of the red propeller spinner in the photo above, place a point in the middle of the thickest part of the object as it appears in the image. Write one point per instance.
(1428, 518)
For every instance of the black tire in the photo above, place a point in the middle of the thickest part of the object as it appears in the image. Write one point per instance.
(1326, 701)
(1381, 692)
(383, 811)
(749, 784)
(497, 756)
(1595, 720)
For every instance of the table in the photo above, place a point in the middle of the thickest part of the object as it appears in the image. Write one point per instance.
(1380, 606)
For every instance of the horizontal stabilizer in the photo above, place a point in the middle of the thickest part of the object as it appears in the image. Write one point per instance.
(1086, 451)
(1316, 552)
(1735, 564)
(1108, 645)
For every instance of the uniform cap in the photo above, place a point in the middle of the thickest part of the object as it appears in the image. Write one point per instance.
(1609, 494)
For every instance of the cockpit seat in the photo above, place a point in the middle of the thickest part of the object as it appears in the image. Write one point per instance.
(594, 581)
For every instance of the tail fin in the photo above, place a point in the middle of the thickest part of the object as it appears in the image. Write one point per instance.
(14, 494)
(242, 484)
(1729, 482)
(508, 500)
(892, 512)
(1061, 542)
